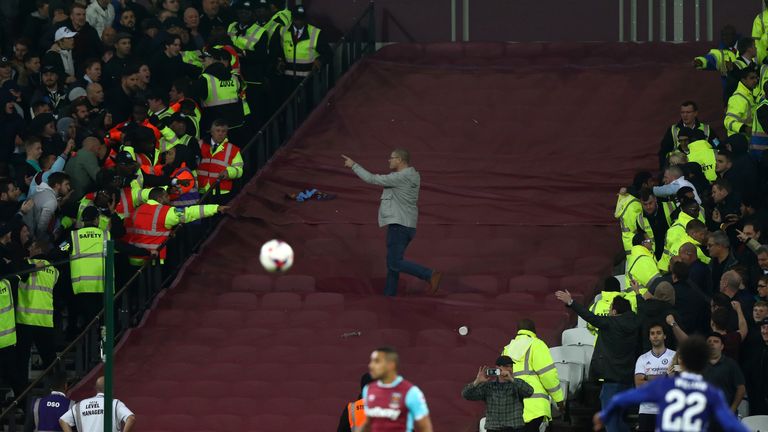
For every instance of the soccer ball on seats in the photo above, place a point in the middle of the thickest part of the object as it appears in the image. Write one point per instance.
(276, 256)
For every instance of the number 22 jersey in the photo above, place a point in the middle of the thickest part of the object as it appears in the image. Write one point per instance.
(686, 403)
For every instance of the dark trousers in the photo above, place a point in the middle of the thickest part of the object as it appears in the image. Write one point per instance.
(533, 425)
(506, 430)
(646, 422)
(44, 339)
(398, 239)
(88, 306)
(9, 370)
(609, 390)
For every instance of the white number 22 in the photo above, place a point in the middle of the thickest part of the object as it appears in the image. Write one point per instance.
(690, 405)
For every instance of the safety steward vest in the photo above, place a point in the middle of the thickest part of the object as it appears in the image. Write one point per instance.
(115, 135)
(628, 208)
(702, 153)
(722, 58)
(146, 228)
(284, 16)
(300, 57)
(221, 92)
(356, 412)
(211, 165)
(192, 57)
(7, 318)
(675, 128)
(533, 364)
(740, 110)
(35, 305)
(249, 39)
(641, 267)
(674, 233)
(88, 260)
(759, 140)
(189, 194)
(674, 247)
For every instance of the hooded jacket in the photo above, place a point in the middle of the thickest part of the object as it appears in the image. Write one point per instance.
(616, 348)
(40, 219)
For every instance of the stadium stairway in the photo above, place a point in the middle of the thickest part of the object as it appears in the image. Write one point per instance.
(521, 148)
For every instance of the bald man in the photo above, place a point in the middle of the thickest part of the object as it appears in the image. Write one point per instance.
(84, 166)
(699, 273)
(88, 414)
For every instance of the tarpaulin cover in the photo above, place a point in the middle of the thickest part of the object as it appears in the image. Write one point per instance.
(521, 149)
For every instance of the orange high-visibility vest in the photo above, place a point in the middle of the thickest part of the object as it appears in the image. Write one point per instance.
(125, 206)
(146, 228)
(211, 166)
(356, 411)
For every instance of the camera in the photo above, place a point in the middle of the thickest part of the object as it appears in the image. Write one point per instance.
(493, 372)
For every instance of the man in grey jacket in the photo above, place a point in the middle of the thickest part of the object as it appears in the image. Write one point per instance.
(399, 212)
(47, 200)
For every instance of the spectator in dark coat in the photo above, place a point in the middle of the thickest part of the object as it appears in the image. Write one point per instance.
(35, 23)
(699, 274)
(113, 69)
(653, 309)
(719, 248)
(51, 91)
(616, 348)
(119, 100)
(690, 304)
(167, 66)
(87, 41)
(756, 369)
(11, 126)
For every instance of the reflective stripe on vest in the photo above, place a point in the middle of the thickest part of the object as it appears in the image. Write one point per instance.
(300, 57)
(356, 413)
(221, 92)
(149, 232)
(7, 316)
(212, 164)
(88, 261)
(35, 306)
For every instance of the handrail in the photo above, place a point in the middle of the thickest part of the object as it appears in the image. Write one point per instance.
(121, 293)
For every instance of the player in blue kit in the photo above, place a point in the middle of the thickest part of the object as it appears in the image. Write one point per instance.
(686, 403)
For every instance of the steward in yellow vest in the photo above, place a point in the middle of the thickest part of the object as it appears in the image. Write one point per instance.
(303, 47)
(9, 369)
(738, 116)
(689, 209)
(218, 91)
(603, 301)
(655, 220)
(689, 112)
(695, 233)
(628, 209)
(641, 264)
(698, 150)
(34, 313)
(533, 364)
(759, 141)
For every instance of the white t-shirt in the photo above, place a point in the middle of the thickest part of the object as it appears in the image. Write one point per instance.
(88, 414)
(649, 365)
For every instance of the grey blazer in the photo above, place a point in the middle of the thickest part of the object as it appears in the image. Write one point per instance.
(400, 196)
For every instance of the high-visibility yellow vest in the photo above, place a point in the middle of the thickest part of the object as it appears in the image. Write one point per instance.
(760, 34)
(192, 57)
(675, 128)
(285, 16)
(666, 208)
(641, 267)
(252, 35)
(702, 153)
(88, 260)
(740, 110)
(759, 140)
(674, 247)
(722, 58)
(35, 305)
(674, 233)
(533, 364)
(221, 92)
(299, 57)
(628, 208)
(7, 318)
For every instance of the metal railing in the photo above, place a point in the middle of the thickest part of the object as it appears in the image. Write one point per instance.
(135, 296)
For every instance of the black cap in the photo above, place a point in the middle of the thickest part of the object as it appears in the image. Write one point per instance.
(176, 117)
(260, 4)
(221, 55)
(245, 5)
(122, 35)
(763, 322)
(124, 158)
(90, 213)
(172, 22)
(48, 68)
(685, 132)
(299, 11)
(5, 229)
(504, 361)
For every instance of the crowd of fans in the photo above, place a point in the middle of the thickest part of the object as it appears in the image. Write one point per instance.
(694, 236)
(118, 118)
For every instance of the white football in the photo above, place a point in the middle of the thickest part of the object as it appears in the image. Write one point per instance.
(276, 256)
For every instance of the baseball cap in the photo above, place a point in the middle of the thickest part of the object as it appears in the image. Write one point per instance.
(245, 5)
(124, 158)
(62, 33)
(717, 335)
(48, 68)
(504, 361)
(204, 54)
(122, 35)
(5, 61)
(299, 11)
(763, 322)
